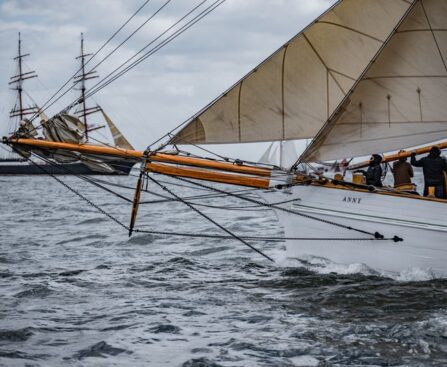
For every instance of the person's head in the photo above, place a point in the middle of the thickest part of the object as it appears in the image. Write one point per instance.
(402, 158)
(435, 151)
(375, 160)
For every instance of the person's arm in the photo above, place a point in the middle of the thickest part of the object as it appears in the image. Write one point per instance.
(377, 175)
(414, 161)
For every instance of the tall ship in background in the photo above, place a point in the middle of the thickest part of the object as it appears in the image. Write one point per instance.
(364, 78)
(12, 163)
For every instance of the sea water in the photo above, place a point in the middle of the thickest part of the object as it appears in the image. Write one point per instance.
(76, 291)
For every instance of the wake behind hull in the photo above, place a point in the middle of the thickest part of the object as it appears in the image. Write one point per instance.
(421, 224)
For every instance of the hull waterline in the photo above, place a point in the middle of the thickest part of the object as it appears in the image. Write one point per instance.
(421, 224)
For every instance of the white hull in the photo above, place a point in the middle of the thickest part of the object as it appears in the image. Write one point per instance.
(421, 224)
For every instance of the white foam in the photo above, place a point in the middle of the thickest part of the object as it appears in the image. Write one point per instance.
(304, 361)
(325, 266)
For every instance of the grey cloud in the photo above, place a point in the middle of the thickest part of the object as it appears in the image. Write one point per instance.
(165, 89)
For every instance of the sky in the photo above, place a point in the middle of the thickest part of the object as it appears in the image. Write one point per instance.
(168, 87)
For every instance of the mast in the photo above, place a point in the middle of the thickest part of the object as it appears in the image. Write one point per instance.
(17, 84)
(82, 78)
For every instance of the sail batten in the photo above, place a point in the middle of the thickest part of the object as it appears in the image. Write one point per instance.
(292, 94)
(400, 100)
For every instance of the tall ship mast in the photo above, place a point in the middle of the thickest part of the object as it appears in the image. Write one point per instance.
(16, 81)
(22, 112)
(366, 77)
(80, 81)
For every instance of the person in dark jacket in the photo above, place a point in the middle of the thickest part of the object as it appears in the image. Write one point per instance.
(373, 174)
(402, 171)
(434, 166)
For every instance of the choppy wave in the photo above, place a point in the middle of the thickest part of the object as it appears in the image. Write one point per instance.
(77, 291)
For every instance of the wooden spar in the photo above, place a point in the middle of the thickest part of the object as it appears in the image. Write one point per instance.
(233, 179)
(395, 157)
(200, 162)
(82, 148)
(138, 154)
(136, 203)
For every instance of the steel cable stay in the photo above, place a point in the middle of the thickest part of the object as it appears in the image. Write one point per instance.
(77, 193)
(186, 234)
(104, 81)
(106, 57)
(43, 108)
(226, 230)
(155, 49)
(376, 235)
(81, 177)
(145, 56)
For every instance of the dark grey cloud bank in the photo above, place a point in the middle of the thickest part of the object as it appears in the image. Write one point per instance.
(165, 89)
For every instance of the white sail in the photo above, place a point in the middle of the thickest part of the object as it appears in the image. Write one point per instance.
(294, 92)
(266, 158)
(401, 100)
(118, 137)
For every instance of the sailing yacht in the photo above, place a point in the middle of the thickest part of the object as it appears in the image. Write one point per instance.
(16, 165)
(365, 77)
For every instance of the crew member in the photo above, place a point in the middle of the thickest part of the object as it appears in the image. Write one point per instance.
(402, 171)
(434, 166)
(373, 174)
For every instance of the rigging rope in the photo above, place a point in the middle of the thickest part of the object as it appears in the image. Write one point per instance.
(77, 193)
(376, 235)
(209, 219)
(44, 107)
(194, 235)
(106, 57)
(104, 82)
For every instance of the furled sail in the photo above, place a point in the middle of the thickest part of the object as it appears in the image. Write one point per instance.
(401, 100)
(118, 137)
(64, 128)
(294, 92)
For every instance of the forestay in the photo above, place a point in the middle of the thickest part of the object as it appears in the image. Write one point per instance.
(294, 92)
(401, 100)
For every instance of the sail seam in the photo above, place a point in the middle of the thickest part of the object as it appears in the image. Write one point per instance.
(342, 74)
(336, 82)
(327, 94)
(328, 70)
(423, 30)
(283, 91)
(215, 100)
(351, 29)
(433, 34)
(324, 129)
(239, 111)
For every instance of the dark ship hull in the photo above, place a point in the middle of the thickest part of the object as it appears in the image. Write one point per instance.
(25, 168)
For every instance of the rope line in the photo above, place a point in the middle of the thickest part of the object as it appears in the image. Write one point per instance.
(44, 107)
(376, 235)
(209, 219)
(84, 198)
(155, 49)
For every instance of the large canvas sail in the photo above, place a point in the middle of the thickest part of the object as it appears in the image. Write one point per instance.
(401, 100)
(294, 92)
(118, 137)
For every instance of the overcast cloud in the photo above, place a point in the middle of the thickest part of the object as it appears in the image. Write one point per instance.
(165, 89)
